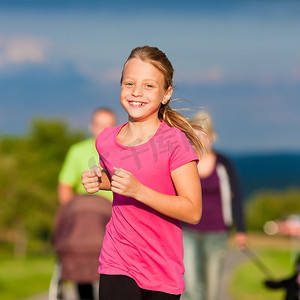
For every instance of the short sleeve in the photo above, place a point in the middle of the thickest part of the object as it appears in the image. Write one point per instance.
(68, 173)
(181, 151)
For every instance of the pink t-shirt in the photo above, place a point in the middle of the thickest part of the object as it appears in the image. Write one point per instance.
(140, 242)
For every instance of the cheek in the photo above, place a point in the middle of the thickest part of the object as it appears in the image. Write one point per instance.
(122, 102)
(158, 96)
(123, 95)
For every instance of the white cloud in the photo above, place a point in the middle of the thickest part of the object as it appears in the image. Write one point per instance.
(211, 75)
(112, 75)
(99, 75)
(17, 50)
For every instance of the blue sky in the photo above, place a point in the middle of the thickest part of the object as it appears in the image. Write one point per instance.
(239, 60)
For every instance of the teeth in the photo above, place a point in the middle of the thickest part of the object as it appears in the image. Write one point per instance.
(136, 103)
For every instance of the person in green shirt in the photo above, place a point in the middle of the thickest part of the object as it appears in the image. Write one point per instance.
(80, 157)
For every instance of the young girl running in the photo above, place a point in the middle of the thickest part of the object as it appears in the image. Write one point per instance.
(150, 166)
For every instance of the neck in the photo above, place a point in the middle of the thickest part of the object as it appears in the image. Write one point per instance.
(136, 133)
(143, 129)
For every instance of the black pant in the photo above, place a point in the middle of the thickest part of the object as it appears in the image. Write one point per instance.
(120, 287)
(85, 291)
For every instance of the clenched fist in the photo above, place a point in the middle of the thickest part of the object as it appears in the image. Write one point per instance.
(124, 183)
(91, 179)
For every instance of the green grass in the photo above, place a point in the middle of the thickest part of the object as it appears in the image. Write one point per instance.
(24, 277)
(247, 279)
(28, 277)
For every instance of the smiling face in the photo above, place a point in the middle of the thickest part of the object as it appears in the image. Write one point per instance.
(143, 90)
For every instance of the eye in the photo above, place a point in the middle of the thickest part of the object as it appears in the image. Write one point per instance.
(129, 84)
(149, 85)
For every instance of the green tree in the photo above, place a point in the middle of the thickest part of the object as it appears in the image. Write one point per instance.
(271, 205)
(28, 181)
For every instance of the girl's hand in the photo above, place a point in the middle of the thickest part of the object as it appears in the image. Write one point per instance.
(124, 183)
(91, 179)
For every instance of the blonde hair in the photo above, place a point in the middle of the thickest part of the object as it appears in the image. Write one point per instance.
(172, 118)
(204, 118)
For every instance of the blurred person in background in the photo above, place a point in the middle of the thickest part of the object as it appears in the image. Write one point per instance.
(79, 156)
(205, 244)
(80, 222)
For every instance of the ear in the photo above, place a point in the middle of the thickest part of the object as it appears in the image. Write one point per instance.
(167, 96)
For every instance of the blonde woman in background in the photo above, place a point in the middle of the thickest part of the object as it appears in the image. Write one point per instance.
(205, 243)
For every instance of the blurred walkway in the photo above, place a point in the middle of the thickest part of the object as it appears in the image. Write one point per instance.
(232, 260)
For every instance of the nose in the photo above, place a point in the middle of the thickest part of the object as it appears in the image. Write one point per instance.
(137, 91)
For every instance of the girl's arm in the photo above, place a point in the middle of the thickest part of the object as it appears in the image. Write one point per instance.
(95, 179)
(186, 206)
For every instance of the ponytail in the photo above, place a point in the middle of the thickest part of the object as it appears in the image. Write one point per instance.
(175, 119)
